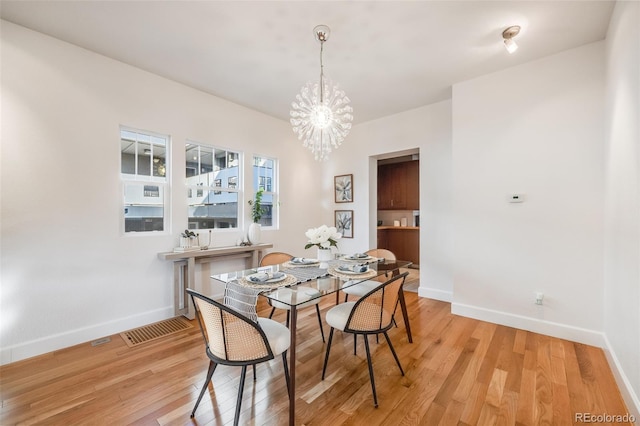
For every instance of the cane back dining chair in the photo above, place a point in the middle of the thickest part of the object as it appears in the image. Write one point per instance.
(365, 287)
(276, 258)
(371, 314)
(236, 340)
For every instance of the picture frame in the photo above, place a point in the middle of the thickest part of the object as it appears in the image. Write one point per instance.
(344, 222)
(343, 188)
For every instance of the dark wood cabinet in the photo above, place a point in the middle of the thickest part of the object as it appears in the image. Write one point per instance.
(403, 242)
(385, 187)
(413, 185)
(383, 240)
(399, 186)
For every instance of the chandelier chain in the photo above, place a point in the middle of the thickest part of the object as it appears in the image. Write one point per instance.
(321, 72)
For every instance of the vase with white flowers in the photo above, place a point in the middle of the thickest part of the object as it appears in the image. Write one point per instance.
(323, 237)
(254, 233)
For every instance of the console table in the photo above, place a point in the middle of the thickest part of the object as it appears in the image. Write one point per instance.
(184, 268)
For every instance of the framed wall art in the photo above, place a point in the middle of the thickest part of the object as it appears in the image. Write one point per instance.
(343, 188)
(344, 222)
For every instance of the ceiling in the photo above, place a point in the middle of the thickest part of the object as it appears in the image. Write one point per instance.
(389, 56)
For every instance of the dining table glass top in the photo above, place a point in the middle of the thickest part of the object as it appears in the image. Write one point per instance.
(283, 283)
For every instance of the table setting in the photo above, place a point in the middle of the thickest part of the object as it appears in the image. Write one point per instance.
(301, 262)
(267, 280)
(352, 271)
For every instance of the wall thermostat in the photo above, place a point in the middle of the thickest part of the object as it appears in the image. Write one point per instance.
(516, 198)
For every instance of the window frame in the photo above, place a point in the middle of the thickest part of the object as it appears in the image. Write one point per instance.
(200, 188)
(256, 178)
(162, 183)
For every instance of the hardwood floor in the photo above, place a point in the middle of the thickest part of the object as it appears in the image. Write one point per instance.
(458, 371)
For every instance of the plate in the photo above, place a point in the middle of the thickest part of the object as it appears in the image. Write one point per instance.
(340, 271)
(269, 281)
(358, 258)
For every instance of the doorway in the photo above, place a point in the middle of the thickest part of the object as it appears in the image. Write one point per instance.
(397, 204)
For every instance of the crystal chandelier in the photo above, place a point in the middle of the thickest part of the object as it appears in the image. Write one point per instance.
(321, 114)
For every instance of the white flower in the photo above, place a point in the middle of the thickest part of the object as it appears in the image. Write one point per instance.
(323, 237)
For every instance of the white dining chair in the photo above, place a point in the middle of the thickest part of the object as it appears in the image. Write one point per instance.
(371, 314)
(232, 338)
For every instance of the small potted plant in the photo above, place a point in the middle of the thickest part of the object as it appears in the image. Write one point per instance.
(186, 239)
(257, 210)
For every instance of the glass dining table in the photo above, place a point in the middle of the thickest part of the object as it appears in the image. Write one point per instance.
(297, 284)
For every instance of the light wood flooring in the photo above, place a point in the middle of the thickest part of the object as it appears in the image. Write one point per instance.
(458, 371)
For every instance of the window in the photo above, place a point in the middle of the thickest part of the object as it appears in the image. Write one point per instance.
(151, 191)
(264, 177)
(264, 182)
(143, 170)
(208, 170)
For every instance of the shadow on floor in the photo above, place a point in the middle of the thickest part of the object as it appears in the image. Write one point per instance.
(413, 280)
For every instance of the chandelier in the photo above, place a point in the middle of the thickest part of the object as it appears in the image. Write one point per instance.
(321, 114)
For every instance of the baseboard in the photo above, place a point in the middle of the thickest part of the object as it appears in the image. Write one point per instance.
(562, 331)
(631, 399)
(81, 335)
(433, 293)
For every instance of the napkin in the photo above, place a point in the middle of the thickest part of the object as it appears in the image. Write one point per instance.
(261, 277)
(302, 260)
(353, 268)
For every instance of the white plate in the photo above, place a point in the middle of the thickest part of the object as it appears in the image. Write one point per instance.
(351, 272)
(307, 261)
(272, 280)
(358, 258)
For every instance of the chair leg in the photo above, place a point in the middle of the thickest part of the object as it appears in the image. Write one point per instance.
(373, 382)
(272, 311)
(236, 418)
(393, 352)
(212, 368)
(286, 372)
(326, 356)
(288, 316)
(254, 372)
(320, 322)
(355, 344)
(346, 297)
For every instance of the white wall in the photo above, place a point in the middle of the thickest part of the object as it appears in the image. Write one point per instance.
(622, 202)
(68, 274)
(427, 129)
(535, 129)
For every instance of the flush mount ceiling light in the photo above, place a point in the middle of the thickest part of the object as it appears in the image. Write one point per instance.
(508, 35)
(321, 114)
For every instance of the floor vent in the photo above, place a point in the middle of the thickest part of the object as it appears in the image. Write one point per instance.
(150, 332)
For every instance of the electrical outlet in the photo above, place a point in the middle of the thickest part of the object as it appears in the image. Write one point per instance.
(539, 298)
